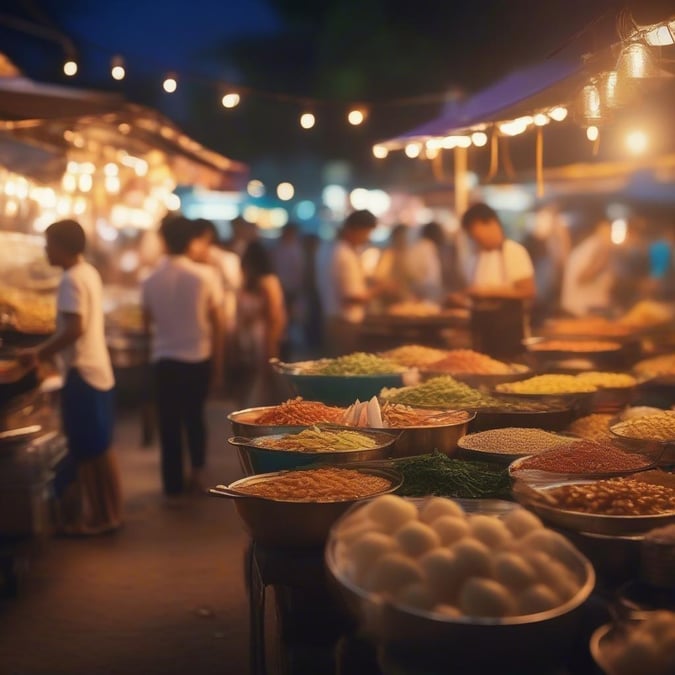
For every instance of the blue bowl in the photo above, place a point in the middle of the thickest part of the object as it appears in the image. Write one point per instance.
(341, 390)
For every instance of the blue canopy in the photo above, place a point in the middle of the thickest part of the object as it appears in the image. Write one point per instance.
(519, 93)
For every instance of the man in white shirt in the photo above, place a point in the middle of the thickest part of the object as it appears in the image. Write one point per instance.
(183, 314)
(342, 285)
(87, 395)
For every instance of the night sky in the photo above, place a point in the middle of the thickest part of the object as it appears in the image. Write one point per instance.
(330, 54)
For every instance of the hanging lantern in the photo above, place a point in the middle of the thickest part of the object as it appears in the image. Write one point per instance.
(616, 92)
(591, 104)
(637, 61)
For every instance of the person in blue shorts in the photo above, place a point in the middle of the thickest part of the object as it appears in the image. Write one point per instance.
(87, 404)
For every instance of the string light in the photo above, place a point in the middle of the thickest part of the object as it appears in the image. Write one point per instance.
(592, 133)
(412, 150)
(540, 119)
(558, 114)
(285, 191)
(170, 84)
(231, 100)
(356, 117)
(70, 68)
(307, 120)
(637, 141)
(380, 152)
(479, 138)
(117, 69)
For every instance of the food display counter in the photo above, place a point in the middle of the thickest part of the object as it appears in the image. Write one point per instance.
(599, 481)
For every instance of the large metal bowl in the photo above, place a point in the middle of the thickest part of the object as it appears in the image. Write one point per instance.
(244, 423)
(287, 524)
(519, 371)
(462, 641)
(256, 456)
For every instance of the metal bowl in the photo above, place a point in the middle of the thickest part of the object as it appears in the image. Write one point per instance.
(294, 524)
(461, 641)
(244, 423)
(663, 452)
(256, 456)
(555, 418)
(519, 371)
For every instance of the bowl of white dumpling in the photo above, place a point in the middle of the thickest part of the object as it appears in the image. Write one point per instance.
(470, 582)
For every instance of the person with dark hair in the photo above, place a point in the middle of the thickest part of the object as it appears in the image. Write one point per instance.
(183, 315)
(500, 278)
(87, 405)
(342, 283)
(261, 321)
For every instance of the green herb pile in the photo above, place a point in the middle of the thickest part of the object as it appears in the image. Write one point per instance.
(438, 474)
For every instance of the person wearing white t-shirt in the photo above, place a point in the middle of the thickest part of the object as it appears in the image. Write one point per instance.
(342, 285)
(182, 305)
(500, 283)
(87, 394)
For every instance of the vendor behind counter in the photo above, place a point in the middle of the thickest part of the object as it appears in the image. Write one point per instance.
(500, 285)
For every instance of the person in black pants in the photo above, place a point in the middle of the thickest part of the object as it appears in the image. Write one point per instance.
(182, 304)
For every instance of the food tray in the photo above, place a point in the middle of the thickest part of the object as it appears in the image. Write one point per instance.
(554, 419)
(580, 521)
(519, 371)
(493, 456)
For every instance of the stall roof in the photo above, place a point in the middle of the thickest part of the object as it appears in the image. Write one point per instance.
(540, 86)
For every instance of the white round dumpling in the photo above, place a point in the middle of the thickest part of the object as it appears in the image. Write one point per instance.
(352, 530)
(473, 558)
(521, 521)
(537, 598)
(416, 595)
(415, 538)
(449, 611)
(513, 571)
(553, 574)
(366, 550)
(390, 512)
(392, 572)
(553, 544)
(485, 597)
(443, 577)
(490, 530)
(435, 507)
(450, 529)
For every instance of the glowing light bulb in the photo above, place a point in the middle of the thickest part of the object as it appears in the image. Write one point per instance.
(541, 120)
(307, 120)
(412, 150)
(592, 133)
(479, 138)
(356, 117)
(170, 85)
(231, 100)
(285, 191)
(117, 68)
(558, 114)
(637, 141)
(380, 152)
(70, 68)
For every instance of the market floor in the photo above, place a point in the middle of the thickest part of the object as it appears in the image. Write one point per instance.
(163, 595)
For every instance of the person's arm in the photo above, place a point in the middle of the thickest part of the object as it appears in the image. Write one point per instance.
(68, 334)
(275, 314)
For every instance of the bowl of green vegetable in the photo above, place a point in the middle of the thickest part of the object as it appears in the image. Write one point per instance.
(318, 444)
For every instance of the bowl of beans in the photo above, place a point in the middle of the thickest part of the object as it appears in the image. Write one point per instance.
(296, 509)
(652, 434)
(614, 506)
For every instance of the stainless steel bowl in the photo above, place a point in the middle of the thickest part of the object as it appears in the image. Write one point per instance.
(244, 423)
(462, 641)
(257, 456)
(519, 371)
(294, 524)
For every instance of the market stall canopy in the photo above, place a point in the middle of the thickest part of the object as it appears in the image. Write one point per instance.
(27, 159)
(540, 86)
(22, 98)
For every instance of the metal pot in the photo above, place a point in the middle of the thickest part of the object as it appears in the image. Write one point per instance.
(244, 424)
(294, 524)
(256, 458)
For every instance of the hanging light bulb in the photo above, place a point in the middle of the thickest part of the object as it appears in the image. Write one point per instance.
(117, 68)
(558, 113)
(660, 35)
(380, 152)
(540, 119)
(356, 116)
(479, 138)
(170, 84)
(307, 120)
(590, 102)
(412, 150)
(592, 133)
(637, 61)
(231, 100)
(70, 67)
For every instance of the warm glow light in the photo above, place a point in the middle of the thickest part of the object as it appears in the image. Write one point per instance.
(255, 188)
(356, 117)
(285, 191)
(87, 167)
(637, 141)
(463, 141)
(231, 100)
(431, 151)
(380, 151)
(307, 120)
(558, 114)
(170, 85)
(334, 197)
(660, 36)
(111, 169)
(112, 184)
(619, 231)
(117, 69)
(70, 68)
(85, 182)
(359, 198)
(278, 217)
(541, 120)
(412, 150)
(592, 133)
(479, 138)
(515, 127)
(172, 202)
